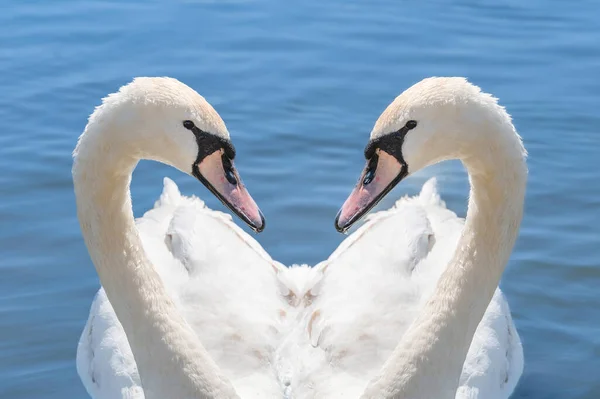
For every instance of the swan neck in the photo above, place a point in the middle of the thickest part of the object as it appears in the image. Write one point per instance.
(170, 358)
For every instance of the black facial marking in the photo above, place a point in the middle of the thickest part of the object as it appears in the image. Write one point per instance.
(391, 143)
(209, 143)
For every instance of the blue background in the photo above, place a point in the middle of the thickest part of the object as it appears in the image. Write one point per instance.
(299, 86)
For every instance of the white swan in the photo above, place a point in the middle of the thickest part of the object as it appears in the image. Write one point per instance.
(434, 120)
(334, 325)
(171, 335)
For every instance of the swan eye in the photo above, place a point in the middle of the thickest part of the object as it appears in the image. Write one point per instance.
(411, 124)
(188, 125)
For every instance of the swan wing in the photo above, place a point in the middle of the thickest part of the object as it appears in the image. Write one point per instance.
(105, 363)
(354, 312)
(495, 361)
(223, 282)
(372, 288)
(231, 296)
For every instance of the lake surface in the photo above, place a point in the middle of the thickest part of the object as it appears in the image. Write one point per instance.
(299, 86)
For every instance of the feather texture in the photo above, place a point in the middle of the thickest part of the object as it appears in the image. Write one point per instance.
(299, 332)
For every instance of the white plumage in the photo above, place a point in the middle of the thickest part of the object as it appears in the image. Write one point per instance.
(223, 283)
(300, 332)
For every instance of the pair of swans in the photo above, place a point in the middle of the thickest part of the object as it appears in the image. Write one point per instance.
(406, 307)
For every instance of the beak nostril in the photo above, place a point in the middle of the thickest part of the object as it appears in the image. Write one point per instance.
(371, 169)
(228, 169)
(230, 176)
(368, 177)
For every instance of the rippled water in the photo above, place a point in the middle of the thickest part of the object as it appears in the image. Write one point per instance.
(299, 86)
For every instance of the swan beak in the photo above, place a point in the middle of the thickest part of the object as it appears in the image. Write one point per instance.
(220, 176)
(380, 176)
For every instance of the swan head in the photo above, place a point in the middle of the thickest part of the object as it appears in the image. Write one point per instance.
(434, 120)
(163, 119)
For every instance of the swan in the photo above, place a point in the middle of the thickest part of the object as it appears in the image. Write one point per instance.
(299, 331)
(435, 120)
(164, 120)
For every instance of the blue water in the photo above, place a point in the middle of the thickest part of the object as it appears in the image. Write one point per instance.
(299, 86)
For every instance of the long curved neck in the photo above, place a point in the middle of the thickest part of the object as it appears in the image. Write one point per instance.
(170, 358)
(429, 359)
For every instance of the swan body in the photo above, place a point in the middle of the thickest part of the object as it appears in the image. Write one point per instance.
(353, 324)
(304, 369)
(434, 120)
(373, 287)
(160, 119)
(228, 294)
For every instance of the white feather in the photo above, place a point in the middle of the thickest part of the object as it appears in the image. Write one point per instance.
(319, 332)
